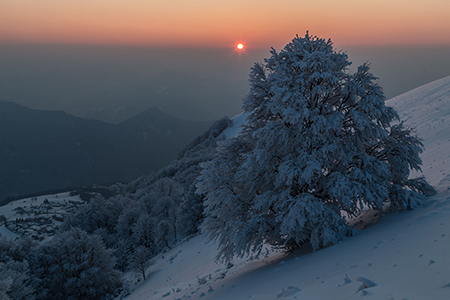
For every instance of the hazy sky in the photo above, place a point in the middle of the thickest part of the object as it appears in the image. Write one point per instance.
(110, 59)
(206, 23)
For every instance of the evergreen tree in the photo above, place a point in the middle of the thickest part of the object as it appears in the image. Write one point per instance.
(318, 142)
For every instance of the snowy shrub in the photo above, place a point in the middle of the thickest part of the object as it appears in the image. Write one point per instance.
(318, 142)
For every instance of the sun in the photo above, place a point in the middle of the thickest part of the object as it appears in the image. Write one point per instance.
(240, 46)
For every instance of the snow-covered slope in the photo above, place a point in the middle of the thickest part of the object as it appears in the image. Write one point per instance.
(235, 127)
(405, 256)
(427, 109)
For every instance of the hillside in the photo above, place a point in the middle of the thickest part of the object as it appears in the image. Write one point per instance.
(43, 150)
(404, 256)
(427, 109)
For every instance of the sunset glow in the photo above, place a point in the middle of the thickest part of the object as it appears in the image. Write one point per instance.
(240, 46)
(263, 23)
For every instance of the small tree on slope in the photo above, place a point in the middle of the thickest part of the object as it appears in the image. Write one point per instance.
(318, 142)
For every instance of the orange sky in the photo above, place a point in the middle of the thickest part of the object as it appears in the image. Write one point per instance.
(208, 23)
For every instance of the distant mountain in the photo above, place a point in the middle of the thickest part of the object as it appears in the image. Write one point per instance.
(43, 150)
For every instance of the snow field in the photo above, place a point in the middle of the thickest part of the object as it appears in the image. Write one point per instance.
(405, 255)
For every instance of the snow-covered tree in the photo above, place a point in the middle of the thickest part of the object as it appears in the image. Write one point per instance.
(318, 141)
(98, 213)
(164, 235)
(169, 193)
(15, 281)
(127, 221)
(143, 232)
(190, 212)
(140, 260)
(75, 265)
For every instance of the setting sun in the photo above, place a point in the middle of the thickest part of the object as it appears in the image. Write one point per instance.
(240, 46)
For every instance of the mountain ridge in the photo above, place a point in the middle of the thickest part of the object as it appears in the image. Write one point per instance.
(42, 150)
